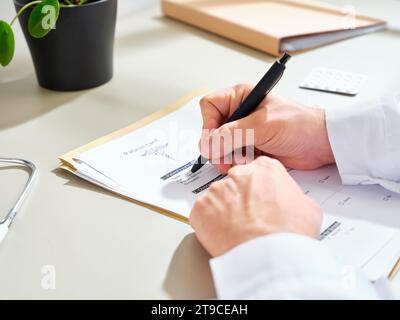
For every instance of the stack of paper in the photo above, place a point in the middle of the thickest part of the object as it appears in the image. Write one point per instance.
(149, 162)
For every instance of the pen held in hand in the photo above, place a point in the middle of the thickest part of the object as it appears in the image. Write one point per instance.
(260, 91)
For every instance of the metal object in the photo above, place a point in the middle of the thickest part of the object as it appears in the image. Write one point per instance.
(8, 220)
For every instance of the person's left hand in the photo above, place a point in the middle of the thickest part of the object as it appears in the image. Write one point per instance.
(254, 200)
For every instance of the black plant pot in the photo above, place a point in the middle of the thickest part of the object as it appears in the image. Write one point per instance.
(78, 54)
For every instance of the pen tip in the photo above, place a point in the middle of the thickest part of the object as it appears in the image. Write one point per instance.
(194, 169)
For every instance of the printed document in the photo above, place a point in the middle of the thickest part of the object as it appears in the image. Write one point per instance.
(152, 165)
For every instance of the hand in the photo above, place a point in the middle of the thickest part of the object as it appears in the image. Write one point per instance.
(294, 134)
(256, 199)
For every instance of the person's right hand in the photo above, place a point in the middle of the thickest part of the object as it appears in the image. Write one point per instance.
(293, 134)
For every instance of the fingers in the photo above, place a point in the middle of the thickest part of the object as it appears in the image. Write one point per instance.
(237, 160)
(226, 191)
(218, 106)
(221, 142)
(260, 164)
(223, 167)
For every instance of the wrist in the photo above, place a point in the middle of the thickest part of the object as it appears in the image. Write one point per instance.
(323, 146)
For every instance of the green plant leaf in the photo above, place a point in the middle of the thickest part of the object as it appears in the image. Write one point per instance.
(43, 18)
(7, 43)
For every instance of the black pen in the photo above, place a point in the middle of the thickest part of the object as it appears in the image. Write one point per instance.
(256, 96)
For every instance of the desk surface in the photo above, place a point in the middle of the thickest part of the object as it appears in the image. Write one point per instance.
(100, 245)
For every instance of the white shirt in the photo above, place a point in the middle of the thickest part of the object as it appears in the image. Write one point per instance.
(365, 140)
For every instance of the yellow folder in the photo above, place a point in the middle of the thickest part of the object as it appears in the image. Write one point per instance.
(273, 26)
(68, 159)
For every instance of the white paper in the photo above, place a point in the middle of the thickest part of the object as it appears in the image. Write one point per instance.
(152, 164)
(357, 243)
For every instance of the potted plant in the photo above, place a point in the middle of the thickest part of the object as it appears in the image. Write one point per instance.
(71, 41)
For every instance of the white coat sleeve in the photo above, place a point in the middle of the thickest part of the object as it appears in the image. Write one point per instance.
(365, 139)
(365, 142)
(290, 266)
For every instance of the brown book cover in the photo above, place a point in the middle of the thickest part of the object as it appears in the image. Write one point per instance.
(273, 26)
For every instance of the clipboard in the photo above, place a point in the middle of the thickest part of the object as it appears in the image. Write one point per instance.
(67, 161)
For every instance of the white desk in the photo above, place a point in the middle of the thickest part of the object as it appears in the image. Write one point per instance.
(105, 247)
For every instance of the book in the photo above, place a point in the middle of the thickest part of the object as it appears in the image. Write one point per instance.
(273, 26)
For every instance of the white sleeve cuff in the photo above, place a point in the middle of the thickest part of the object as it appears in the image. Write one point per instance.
(364, 140)
(285, 266)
